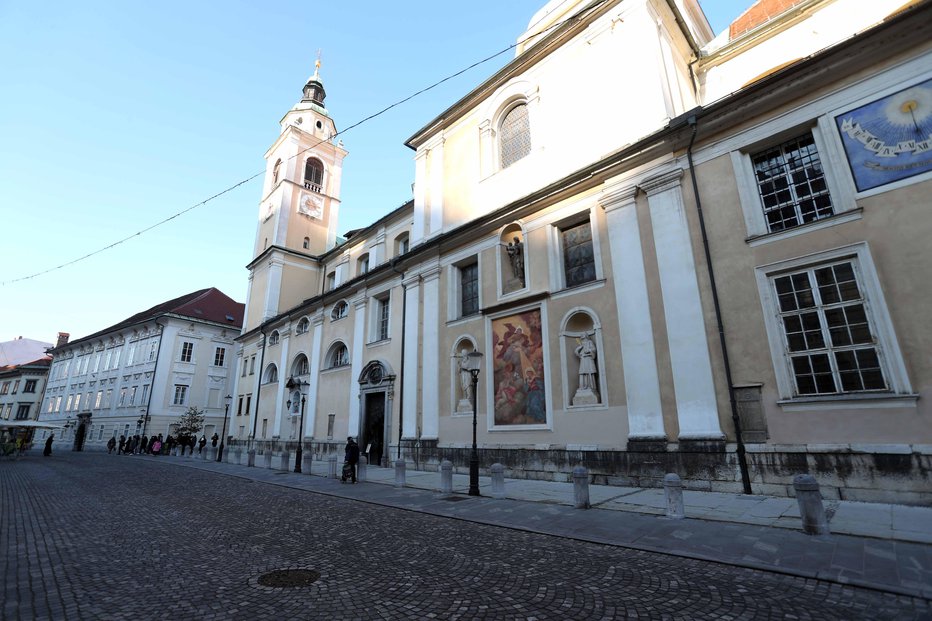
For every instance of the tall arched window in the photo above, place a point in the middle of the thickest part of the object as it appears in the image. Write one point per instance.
(271, 374)
(515, 135)
(313, 174)
(300, 366)
(338, 356)
(276, 170)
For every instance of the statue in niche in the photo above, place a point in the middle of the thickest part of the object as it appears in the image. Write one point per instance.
(587, 391)
(515, 250)
(462, 363)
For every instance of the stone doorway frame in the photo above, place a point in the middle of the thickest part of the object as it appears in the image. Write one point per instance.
(378, 376)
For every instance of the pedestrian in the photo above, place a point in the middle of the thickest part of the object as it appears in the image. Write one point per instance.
(48, 445)
(201, 444)
(213, 439)
(156, 446)
(161, 442)
(350, 459)
(111, 444)
(122, 448)
(135, 444)
(144, 444)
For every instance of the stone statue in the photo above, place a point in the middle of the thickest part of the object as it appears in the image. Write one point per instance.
(465, 404)
(587, 392)
(515, 251)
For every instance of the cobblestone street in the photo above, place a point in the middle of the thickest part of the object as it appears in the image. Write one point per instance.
(92, 536)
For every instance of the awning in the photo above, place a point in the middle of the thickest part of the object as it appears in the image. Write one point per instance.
(33, 424)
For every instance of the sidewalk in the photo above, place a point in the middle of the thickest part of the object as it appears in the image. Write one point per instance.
(877, 546)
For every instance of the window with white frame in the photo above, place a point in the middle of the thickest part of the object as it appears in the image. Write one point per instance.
(514, 135)
(252, 364)
(577, 253)
(187, 351)
(132, 395)
(401, 244)
(122, 401)
(381, 318)
(362, 264)
(219, 356)
(331, 281)
(22, 412)
(829, 328)
(338, 356)
(274, 338)
(791, 183)
(98, 399)
(469, 289)
(29, 386)
(313, 174)
(271, 374)
(300, 366)
(302, 326)
(339, 310)
(181, 394)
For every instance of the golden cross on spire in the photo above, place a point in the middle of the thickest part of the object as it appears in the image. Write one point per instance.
(317, 64)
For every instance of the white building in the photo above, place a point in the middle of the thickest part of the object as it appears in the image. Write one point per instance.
(21, 389)
(158, 363)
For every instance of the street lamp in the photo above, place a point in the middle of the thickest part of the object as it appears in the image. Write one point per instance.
(472, 364)
(143, 419)
(299, 384)
(226, 412)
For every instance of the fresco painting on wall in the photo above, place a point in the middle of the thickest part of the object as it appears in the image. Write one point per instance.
(889, 139)
(518, 370)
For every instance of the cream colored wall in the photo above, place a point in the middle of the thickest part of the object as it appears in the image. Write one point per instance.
(299, 282)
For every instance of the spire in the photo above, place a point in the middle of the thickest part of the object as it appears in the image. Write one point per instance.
(314, 89)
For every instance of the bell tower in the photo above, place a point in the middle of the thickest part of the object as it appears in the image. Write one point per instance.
(299, 209)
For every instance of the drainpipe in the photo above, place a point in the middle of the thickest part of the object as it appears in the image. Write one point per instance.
(401, 367)
(742, 457)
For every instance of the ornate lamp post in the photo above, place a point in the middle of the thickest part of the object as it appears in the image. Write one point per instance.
(143, 419)
(226, 412)
(473, 364)
(299, 384)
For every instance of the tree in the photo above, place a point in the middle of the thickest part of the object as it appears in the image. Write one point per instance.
(191, 422)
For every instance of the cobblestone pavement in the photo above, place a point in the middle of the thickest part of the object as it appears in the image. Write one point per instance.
(92, 536)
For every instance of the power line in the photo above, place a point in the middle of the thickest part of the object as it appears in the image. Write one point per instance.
(575, 16)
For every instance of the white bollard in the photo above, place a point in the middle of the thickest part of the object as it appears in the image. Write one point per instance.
(251, 458)
(362, 468)
(673, 493)
(307, 462)
(332, 463)
(580, 488)
(498, 481)
(267, 459)
(400, 473)
(238, 456)
(446, 477)
(286, 461)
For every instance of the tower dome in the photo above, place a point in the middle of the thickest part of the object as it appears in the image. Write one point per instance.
(314, 89)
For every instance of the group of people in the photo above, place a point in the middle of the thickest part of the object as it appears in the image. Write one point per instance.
(155, 445)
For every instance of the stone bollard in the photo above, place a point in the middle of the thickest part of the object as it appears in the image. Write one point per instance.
(251, 458)
(267, 459)
(362, 468)
(212, 453)
(332, 463)
(580, 488)
(446, 477)
(400, 473)
(238, 456)
(810, 505)
(286, 461)
(498, 481)
(673, 493)
(307, 462)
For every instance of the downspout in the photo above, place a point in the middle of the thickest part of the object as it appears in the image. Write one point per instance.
(742, 457)
(401, 368)
(255, 420)
(158, 351)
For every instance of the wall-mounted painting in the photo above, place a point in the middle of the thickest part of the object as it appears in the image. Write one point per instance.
(518, 370)
(889, 139)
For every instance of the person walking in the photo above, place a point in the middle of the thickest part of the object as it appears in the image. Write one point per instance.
(213, 440)
(350, 459)
(201, 444)
(111, 444)
(144, 444)
(122, 448)
(48, 445)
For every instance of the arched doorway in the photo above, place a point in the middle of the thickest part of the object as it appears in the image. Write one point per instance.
(376, 395)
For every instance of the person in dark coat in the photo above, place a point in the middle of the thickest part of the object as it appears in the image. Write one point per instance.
(201, 444)
(48, 445)
(122, 448)
(111, 444)
(213, 439)
(350, 458)
(144, 444)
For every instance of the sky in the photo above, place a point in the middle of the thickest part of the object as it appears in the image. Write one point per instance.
(116, 116)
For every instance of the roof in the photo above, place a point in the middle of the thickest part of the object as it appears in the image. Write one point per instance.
(19, 351)
(203, 305)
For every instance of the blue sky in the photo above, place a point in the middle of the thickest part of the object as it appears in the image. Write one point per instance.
(115, 116)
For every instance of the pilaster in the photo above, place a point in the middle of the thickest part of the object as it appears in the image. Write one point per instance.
(430, 424)
(359, 343)
(410, 376)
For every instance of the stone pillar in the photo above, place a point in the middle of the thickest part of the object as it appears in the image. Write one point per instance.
(696, 404)
(307, 460)
(310, 410)
(356, 360)
(251, 458)
(809, 500)
(237, 456)
(412, 329)
(332, 467)
(286, 461)
(673, 493)
(400, 473)
(639, 361)
(267, 459)
(446, 477)
(212, 453)
(580, 488)
(362, 469)
(430, 355)
(498, 481)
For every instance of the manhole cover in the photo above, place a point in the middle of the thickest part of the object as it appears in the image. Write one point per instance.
(289, 578)
(454, 498)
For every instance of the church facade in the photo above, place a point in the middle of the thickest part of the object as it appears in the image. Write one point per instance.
(675, 252)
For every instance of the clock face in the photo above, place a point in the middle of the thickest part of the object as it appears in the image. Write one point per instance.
(889, 139)
(311, 205)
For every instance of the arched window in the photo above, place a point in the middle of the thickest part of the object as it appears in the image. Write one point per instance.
(401, 244)
(313, 174)
(339, 310)
(275, 170)
(274, 338)
(300, 365)
(302, 326)
(338, 356)
(515, 135)
(271, 374)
